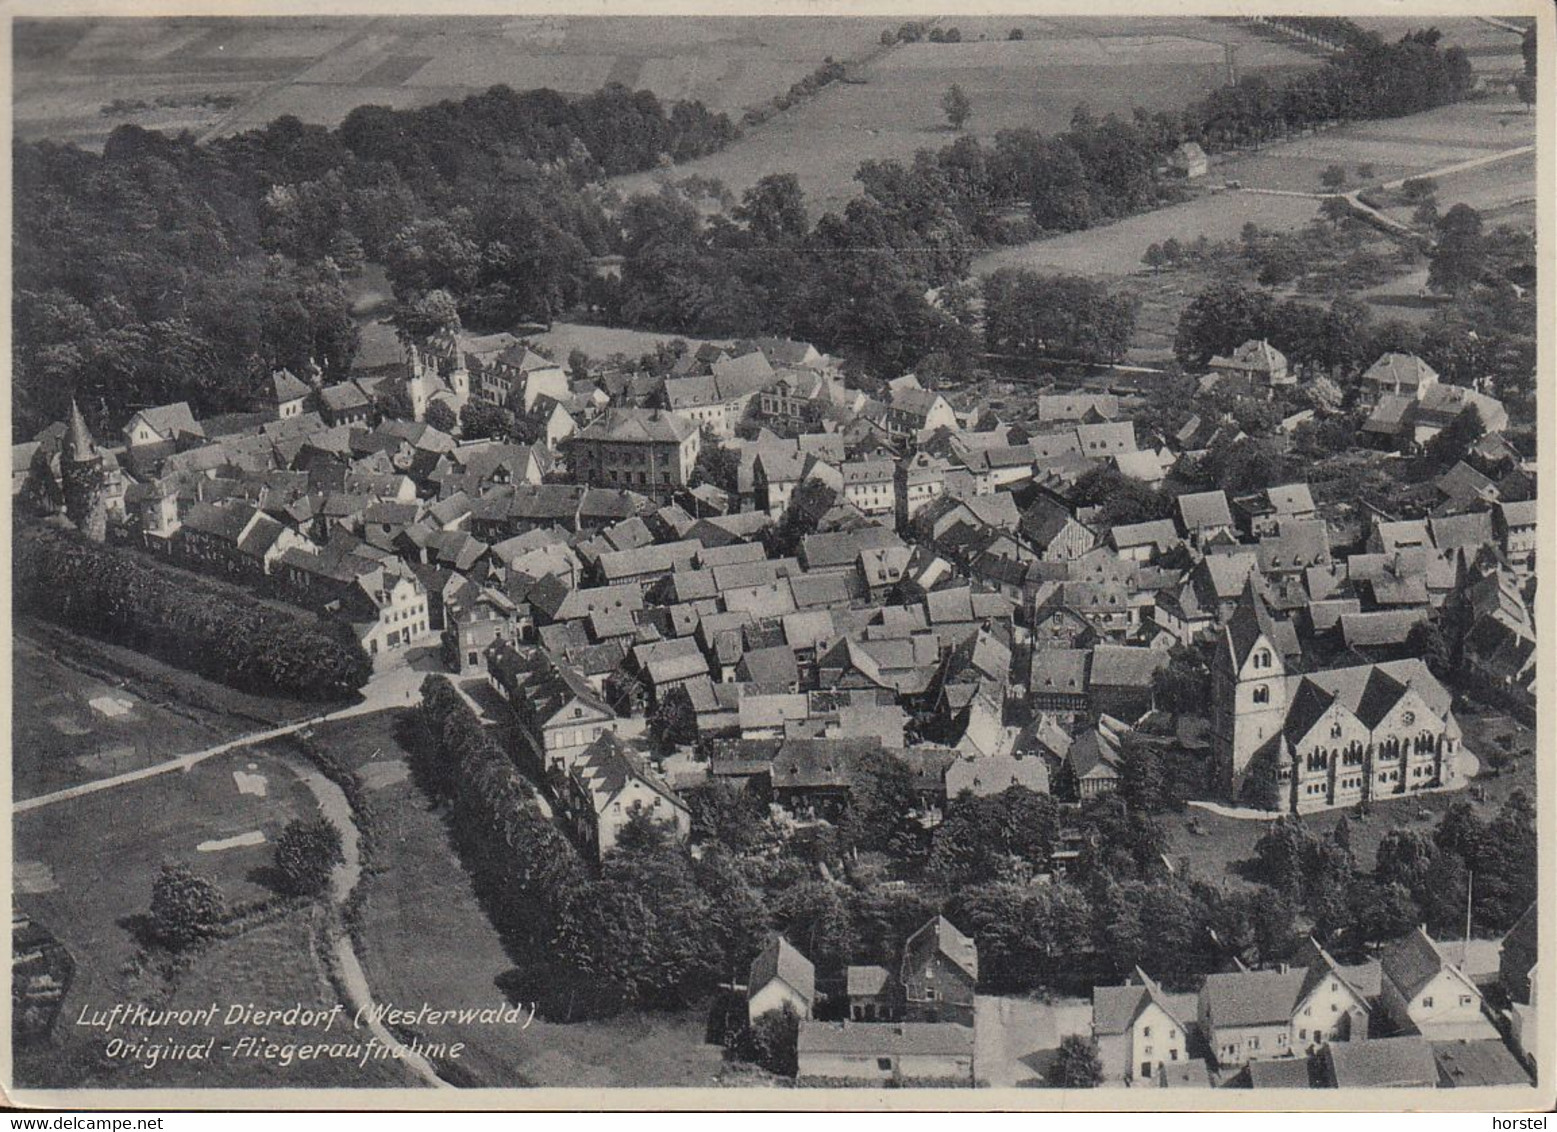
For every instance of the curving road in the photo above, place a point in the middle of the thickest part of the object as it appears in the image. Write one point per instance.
(335, 806)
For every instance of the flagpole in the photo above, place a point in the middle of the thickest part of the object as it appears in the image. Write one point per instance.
(1470, 885)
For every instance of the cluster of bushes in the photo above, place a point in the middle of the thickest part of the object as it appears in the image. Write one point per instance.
(911, 32)
(1173, 252)
(189, 622)
(1369, 78)
(1067, 317)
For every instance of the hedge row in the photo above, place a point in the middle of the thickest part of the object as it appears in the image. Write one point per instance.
(523, 866)
(138, 602)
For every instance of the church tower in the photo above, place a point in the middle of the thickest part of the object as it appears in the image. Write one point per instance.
(459, 380)
(1248, 690)
(416, 384)
(84, 478)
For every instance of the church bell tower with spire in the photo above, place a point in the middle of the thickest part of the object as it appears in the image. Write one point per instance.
(84, 478)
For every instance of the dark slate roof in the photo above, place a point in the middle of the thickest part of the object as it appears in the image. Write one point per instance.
(1279, 1073)
(1249, 622)
(948, 941)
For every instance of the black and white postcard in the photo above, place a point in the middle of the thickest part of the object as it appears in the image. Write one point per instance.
(761, 557)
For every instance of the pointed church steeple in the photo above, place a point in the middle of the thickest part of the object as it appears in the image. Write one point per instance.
(84, 478)
(80, 448)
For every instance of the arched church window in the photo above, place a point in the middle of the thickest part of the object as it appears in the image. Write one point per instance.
(1261, 694)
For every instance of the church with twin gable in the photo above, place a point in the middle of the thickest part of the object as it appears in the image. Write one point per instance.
(1302, 742)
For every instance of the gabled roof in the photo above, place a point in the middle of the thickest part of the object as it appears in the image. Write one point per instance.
(1059, 670)
(1279, 1073)
(991, 774)
(343, 396)
(1523, 933)
(1455, 532)
(949, 942)
(865, 981)
(1411, 962)
(608, 765)
(1400, 369)
(625, 426)
(220, 520)
(1203, 509)
(286, 387)
(1115, 1009)
(1382, 1062)
(1252, 998)
(171, 420)
(780, 960)
(1520, 513)
(1370, 690)
(1380, 628)
(1249, 623)
(1320, 966)
(1159, 533)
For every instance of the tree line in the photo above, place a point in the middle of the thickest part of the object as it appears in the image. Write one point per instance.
(186, 621)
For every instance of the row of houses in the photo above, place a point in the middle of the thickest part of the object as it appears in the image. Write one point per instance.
(1412, 1017)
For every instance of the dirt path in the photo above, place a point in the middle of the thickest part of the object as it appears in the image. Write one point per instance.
(335, 806)
(392, 688)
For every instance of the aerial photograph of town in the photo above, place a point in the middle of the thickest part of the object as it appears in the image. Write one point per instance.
(964, 552)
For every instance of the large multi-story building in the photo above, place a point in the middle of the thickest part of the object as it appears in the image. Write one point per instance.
(1324, 739)
(649, 451)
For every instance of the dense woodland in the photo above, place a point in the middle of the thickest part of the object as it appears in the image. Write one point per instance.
(166, 269)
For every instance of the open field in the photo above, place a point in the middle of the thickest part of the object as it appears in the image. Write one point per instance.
(603, 341)
(218, 76)
(1504, 192)
(426, 939)
(84, 870)
(1395, 147)
(275, 966)
(113, 710)
(895, 108)
(1116, 249)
